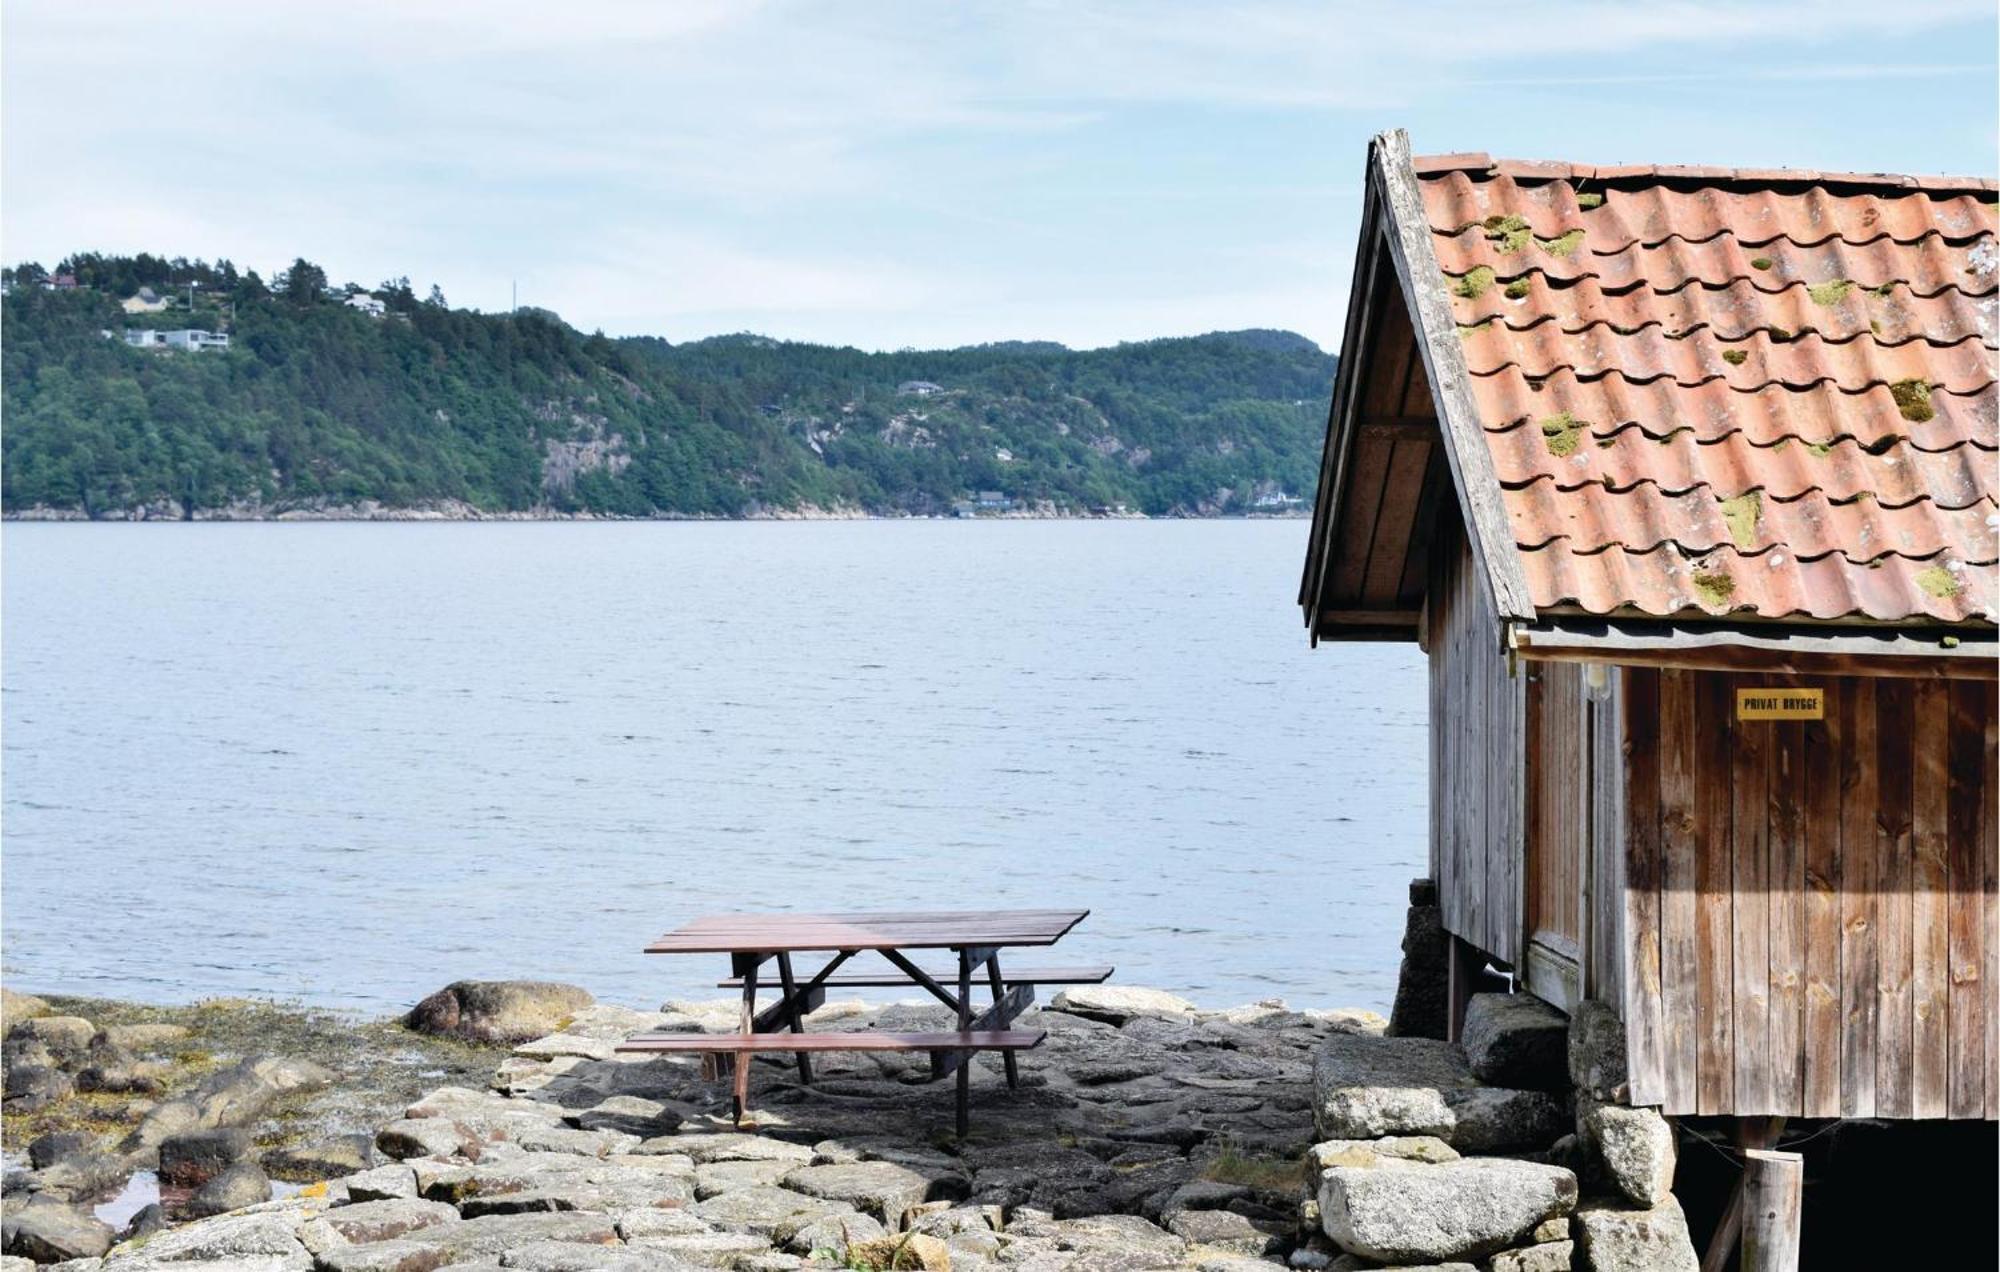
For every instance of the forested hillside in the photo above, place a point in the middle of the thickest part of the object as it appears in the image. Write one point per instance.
(318, 404)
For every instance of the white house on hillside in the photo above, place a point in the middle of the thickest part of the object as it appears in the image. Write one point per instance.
(367, 304)
(190, 340)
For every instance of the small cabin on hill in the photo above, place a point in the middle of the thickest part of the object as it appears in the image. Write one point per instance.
(1685, 481)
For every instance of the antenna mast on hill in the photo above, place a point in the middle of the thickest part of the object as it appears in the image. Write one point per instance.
(513, 295)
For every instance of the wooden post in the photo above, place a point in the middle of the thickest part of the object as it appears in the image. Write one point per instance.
(1753, 1134)
(964, 1023)
(1773, 1192)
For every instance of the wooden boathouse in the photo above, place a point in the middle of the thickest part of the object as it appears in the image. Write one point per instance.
(1685, 481)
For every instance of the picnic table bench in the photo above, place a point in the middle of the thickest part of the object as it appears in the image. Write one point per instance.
(975, 937)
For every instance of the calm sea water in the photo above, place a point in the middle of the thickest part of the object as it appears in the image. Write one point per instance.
(351, 763)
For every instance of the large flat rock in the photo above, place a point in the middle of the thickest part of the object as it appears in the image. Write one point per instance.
(1366, 1087)
(1404, 1212)
(1116, 1004)
(882, 1189)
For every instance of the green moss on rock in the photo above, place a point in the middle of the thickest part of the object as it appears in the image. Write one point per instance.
(1761, 262)
(1516, 289)
(1508, 233)
(1589, 201)
(1913, 400)
(1564, 244)
(1735, 357)
(1560, 433)
(1474, 284)
(1714, 587)
(1830, 293)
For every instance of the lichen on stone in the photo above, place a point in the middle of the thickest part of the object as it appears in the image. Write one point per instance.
(1735, 357)
(1474, 283)
(1508, 233)
(1939, 582)
(1740, 514)
(1714, 587)
(1831, 292)
(1913, 400)
(1561, 432)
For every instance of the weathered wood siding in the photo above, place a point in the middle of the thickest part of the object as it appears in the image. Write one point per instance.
(1604, 870)
(1478, 709)
(1809, 907)
(1558, 817)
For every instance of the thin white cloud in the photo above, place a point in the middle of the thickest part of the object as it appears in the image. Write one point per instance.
(915, 171)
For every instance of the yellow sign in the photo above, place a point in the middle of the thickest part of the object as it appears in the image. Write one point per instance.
(1781, 704)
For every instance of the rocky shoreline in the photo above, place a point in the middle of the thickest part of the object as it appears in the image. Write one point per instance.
(1146, 1134)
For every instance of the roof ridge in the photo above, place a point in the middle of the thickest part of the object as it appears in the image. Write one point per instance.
(1560, 170)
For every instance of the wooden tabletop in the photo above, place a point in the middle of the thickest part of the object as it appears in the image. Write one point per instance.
(775, 933)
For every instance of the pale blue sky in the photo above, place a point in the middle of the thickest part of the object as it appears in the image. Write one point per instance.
(905, 174)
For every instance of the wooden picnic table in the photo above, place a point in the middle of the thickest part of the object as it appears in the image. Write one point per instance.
(976, 937)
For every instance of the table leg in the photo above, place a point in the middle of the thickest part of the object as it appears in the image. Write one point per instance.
(964, 1023)
(999, 985)
(742, 1092)
(798, 1021)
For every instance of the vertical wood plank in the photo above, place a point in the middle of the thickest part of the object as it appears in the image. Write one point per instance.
(1988, 711)
(1639, 726)
(1966, 1045)
(1470, 761)
(1382, 580)
(1361, 501)
(1679, 1001)
(1423, 537)
(1494, 824)
(1605, 923)
(1513, 751)
(1715, 916)
(1820, 1073)
(1894, 727)
(1444, 668)
(1787, 918)
(1929, 887)
(1750, 956)
(1857, 900)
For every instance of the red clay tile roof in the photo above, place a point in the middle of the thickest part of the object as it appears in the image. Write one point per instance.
(1721, 392)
